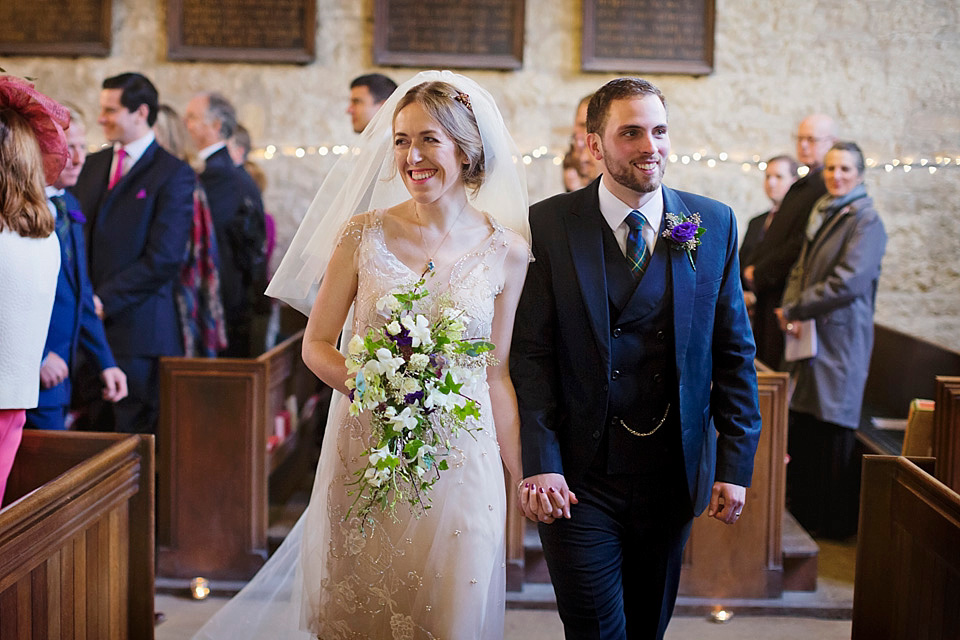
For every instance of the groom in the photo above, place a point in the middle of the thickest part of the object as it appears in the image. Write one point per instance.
(633, 364)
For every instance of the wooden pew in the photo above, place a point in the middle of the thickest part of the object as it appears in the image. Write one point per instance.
(946, 431)
(745, 560)
(907, 581)
(76, 539)
(902, 367)
(216, 417)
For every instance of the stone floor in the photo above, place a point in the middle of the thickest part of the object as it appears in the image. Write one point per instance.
(796, 616)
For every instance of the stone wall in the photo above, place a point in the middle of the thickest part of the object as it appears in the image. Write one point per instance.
(881, 67)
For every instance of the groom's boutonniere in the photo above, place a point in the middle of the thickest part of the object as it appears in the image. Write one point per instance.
(683, 233)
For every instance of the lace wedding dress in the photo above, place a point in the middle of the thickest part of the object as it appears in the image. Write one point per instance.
(439, 576)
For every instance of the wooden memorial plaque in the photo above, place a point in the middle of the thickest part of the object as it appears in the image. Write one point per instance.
(242, 30)
(648, 36)
(482, 34)
(36, 27)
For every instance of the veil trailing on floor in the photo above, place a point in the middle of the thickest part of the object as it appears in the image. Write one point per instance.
(363, 179)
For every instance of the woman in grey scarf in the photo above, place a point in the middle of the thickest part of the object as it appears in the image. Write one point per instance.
(827, 313)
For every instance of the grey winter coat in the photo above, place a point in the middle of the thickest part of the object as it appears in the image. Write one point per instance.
(835, 281)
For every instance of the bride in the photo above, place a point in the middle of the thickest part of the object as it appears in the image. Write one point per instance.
(450, 203)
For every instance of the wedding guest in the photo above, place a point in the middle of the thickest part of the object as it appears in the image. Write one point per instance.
(367, 94)
(237, 211)
(197, 293)
(572, 180)
(778, 176)
(587, 167)
(138, 200)
(32, 152)
(631, 349)
(74, 324)
(766, 275)
(832, 286)
(239, 145)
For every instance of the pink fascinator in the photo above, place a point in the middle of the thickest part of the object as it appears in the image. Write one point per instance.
(47, 117)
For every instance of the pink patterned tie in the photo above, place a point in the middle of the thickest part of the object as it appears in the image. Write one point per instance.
(118, 172)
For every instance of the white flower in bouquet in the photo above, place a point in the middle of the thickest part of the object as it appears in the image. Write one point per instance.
(419, 329)
(418, 362)
(389, 302)
(355, 346)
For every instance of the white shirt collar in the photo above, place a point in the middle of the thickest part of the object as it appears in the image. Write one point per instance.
(135, 149)
(53, 191)
(206, 152)
(615, 212)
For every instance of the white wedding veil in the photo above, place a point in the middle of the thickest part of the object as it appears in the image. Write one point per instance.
(363, 179)
(366, 178)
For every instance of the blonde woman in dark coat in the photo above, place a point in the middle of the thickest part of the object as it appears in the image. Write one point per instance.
(833, 283)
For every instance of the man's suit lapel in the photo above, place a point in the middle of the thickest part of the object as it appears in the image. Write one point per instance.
(585, 237)
(684, 280)
(131, 176)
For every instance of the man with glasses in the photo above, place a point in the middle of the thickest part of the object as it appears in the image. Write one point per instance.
(774, 256)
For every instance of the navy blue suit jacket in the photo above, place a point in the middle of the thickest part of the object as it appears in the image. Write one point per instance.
(560, 358)
(137, 236)
(226, 186)
(74, 323)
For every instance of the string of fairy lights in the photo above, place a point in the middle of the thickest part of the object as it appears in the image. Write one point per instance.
(931, 163)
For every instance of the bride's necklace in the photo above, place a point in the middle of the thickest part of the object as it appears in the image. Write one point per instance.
(431, 265)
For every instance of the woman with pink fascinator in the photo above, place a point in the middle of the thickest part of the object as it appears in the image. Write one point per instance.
(33, 151)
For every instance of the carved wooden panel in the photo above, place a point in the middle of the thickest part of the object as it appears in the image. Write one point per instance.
(76, 551)
(745, 560)
(946, 431)
(242, 30)
(907, 581)
(648, 36)
(482, 34)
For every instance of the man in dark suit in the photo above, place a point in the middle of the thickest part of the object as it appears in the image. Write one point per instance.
(139, 203)
(367, 94)
(73, 324)
(237, 211)
(771, 261)
(631, 351)
(779, 174)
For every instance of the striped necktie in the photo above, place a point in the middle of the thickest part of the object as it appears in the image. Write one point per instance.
(63, 226)
(637, 253)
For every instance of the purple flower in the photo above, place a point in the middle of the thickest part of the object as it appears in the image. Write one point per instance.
(684, 232)
(403, 338)
(352, 393)
(76, 215)
(416, 396)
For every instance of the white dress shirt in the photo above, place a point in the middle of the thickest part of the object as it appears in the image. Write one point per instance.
(615, 212)
(134, 151)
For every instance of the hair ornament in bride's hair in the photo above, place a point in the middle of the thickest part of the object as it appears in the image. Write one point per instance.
(47, 117)
(464, 99)
(366, 179)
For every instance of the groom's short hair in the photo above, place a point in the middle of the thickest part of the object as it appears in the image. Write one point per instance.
(619, 89)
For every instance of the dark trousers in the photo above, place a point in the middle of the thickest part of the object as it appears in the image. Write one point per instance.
(138, 412)
(47, 418)
(615, 564)
(823, 477)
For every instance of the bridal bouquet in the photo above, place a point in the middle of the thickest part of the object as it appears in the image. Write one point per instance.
(408, 375)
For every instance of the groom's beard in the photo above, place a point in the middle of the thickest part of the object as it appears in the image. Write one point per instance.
(629, 176)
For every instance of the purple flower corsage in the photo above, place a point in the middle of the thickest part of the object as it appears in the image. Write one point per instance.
(76, 215)
(683, 233)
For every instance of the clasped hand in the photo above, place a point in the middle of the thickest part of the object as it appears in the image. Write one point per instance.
(545, 497)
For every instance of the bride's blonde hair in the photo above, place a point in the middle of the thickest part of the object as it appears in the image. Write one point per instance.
(451, 108)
